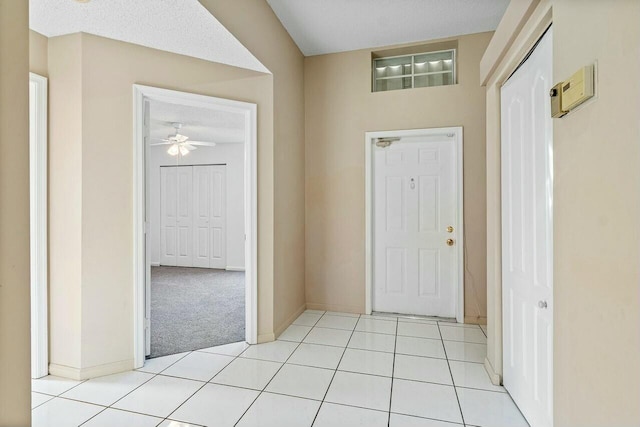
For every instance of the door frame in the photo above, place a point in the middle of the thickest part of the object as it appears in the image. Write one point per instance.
(141, 95)
(38, 225)
(456, 136)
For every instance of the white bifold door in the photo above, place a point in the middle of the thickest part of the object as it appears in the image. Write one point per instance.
(527, 235)
(415, 225)
(192, 218)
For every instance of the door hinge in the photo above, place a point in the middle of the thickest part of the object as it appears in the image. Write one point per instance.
(385, 142)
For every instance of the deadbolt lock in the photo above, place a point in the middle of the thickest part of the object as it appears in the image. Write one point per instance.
(450, 242)
(450, 229)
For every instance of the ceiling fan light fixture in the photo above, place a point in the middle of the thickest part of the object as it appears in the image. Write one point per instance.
(173, 150)
(184, 150)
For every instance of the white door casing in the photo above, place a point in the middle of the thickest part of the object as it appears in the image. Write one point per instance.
(415, 200)
(38, 224)
(141, 96)
(527, 239)
(147, 241)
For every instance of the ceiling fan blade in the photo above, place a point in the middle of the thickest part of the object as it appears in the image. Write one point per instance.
(189, 147)
(203, 143)
(161, 143)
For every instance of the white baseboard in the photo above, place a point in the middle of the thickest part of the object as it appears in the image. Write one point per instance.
(155, 264)
(495, 378)
(80, 374)
(231, 268)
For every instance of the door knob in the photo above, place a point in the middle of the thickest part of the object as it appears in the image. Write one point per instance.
(450, 229)
(542, 304)
(450, 242)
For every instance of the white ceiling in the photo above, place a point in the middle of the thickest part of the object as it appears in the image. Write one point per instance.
(327, 26)
(199, 124)
(179, 26)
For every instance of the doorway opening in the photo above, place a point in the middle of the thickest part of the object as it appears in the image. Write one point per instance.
(414, 222)
(195, 199)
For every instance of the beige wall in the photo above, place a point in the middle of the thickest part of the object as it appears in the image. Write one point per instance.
(597, 218)
(340, 108)
(91, 191)
(255, 25)
(38, 53)
(15, 361)
(596, 213)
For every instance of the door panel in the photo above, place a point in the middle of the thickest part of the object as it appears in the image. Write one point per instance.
(527, 225)
(218, 207)
(168, 217)
(202, 203)
(185, 216)
(415, 199)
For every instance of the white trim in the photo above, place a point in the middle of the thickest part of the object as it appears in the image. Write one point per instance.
(38, 224)
(145, 93)
(369, 141)
(230, 268)
(493, 377)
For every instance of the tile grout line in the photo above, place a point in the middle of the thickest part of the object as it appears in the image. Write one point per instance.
(279, 369)
(335, 371)
(153, 375)
(206, 382)
(451, 373)
(393, 372)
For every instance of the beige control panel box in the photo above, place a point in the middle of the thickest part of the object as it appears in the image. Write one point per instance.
(577, 89)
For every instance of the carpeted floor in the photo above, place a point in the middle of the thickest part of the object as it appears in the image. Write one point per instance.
(194, 308)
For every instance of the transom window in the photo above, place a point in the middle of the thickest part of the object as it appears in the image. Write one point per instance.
(411, 71)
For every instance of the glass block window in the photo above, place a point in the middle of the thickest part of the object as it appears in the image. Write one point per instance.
(410, 71)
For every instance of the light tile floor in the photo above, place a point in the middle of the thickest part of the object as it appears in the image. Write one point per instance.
(326, 370)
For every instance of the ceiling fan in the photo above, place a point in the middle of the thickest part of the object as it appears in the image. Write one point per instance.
(178, 143)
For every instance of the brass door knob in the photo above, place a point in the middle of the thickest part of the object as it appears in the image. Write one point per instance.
(450, 242)
(450, 229)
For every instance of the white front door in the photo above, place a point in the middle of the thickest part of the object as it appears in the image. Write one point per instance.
(527, 239)
(415, 202)
(209, 197)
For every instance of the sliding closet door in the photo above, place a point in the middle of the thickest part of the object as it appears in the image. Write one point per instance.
(217, 224)
(168, 216)
(185, 216)
(193, 216)
(202, 211)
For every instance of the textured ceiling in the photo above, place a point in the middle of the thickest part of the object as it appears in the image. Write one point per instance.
(179, 26)
(327, 26)
(199, 124)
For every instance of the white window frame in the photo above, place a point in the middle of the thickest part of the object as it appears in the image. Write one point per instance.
(413, 74)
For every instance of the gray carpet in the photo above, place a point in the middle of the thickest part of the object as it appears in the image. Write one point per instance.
(194, 308)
